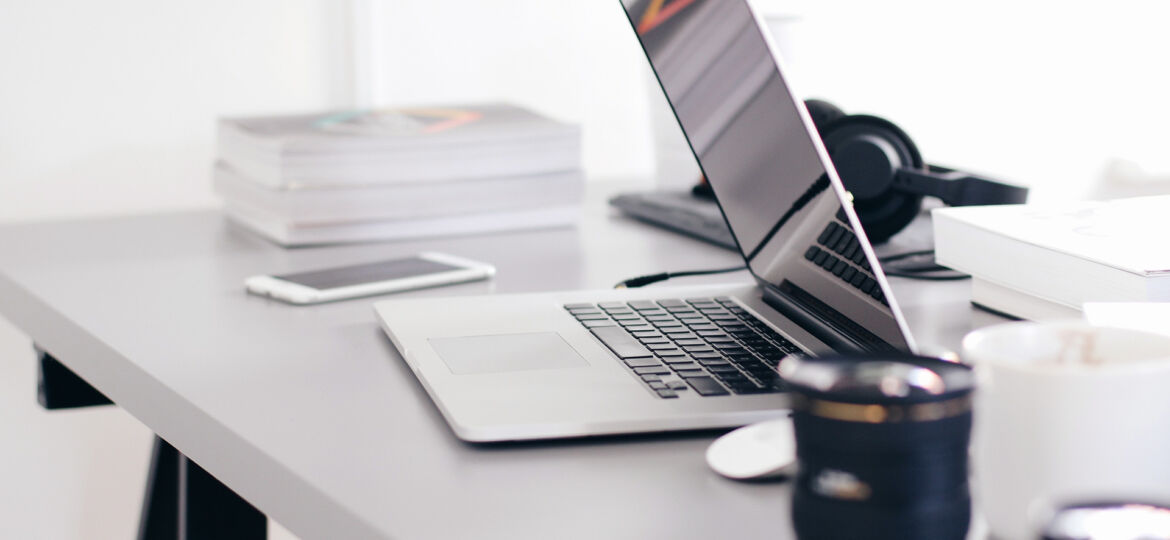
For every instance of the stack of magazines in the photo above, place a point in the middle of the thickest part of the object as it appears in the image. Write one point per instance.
(353, 176)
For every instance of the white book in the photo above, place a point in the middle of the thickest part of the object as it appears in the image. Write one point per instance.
(400, 201)
(291, 235)
(1067, 253)
(1007, 301)
(397, 145)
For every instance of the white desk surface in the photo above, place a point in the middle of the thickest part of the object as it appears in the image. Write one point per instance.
(309, 412)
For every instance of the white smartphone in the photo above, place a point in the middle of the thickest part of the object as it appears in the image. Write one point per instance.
(326, 285)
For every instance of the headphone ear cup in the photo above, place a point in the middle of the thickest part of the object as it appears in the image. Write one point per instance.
(823, 113)
(867, 152)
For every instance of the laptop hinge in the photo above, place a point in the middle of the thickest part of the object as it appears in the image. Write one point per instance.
(839, 332)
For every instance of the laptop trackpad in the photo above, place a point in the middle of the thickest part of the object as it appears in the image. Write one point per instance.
(506, 352)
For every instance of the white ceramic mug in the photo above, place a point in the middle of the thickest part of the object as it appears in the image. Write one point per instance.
(1066, 413)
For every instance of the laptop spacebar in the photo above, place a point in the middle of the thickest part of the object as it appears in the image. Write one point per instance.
(621, 343)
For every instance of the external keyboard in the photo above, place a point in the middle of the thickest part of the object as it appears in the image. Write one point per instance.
(709, 345)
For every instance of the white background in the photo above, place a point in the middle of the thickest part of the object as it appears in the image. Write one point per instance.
(109, 107)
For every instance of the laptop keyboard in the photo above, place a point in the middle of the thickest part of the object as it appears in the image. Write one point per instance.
(839, 252)
(708, 345)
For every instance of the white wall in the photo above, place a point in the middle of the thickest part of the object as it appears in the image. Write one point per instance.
(109, 107)
(577, 61)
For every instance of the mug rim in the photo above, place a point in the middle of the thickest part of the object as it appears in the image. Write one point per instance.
(972, 341)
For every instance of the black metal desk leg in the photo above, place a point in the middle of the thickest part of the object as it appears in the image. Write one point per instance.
(209, 510)
(183, 501)
(160, 506)
(58, 387)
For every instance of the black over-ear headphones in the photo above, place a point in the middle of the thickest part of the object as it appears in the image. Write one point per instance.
(881, 167)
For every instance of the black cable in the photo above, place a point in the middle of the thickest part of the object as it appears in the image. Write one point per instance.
(921, 271)
(908, 273)
(907, 255)
(928, 277)
(642, 281)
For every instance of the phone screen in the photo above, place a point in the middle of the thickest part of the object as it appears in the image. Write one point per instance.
(345, 276)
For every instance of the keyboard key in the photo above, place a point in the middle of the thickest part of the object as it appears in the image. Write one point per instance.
(677, 385)
(651, 377)
(582, 305)
(685, 366)
(643, 305)
(838, 231)
(675, 360)
(843, 242)
(811, 253)
(697, 348)
(658, 385)
(611, 305)
(708, 355)
(664, 347)
(638, 361)
(654, 341)
(646, 334)
(824, 237)
(849, 273)
(624, 316)
(838, 269)
(721, 368)
(676, 332)
(859, 280)
(684, 373)
(706, 386)
(591, 317)
(671, 303)
(685, 342)
(868, 285)
(851, 249)
(598, 324)
(753, 390)
(693, 301)
(670, 354)
(621, 343)
(652, 370)
(720, 339)
(658, 318)
(667, 393)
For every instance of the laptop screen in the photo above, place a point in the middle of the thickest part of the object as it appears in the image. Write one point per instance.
(755, 144)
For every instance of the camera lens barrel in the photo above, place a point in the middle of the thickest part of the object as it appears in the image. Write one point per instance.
(882, 445)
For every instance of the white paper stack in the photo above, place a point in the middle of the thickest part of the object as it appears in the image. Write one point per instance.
(352, 176)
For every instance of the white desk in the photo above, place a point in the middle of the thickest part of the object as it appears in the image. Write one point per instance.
(309, 413)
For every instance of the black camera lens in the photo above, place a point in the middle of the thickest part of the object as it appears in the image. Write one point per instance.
(882, 447)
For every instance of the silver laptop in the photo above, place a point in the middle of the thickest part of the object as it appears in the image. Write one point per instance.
(581, 363)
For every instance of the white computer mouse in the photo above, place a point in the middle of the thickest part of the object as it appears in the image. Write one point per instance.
(761, 450)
